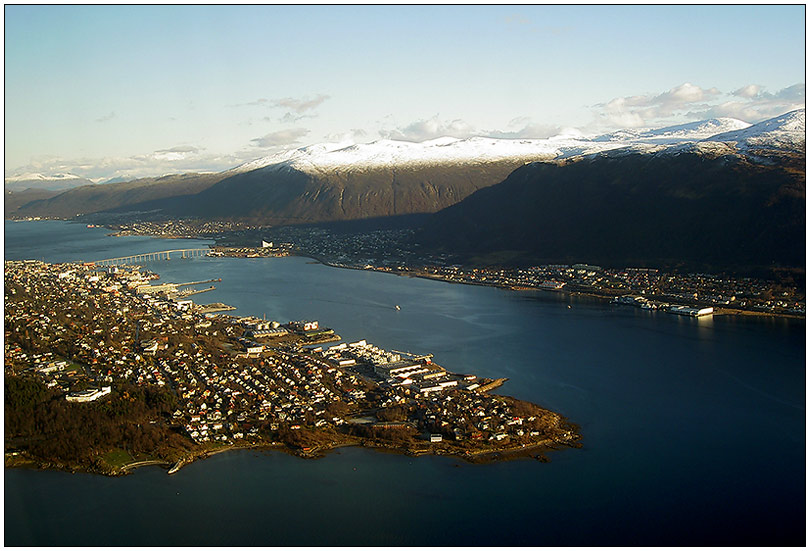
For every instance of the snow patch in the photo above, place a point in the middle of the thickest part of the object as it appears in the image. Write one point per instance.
(783, 132)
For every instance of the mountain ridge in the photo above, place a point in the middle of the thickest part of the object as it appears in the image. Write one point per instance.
(337, 181)
(707, 203)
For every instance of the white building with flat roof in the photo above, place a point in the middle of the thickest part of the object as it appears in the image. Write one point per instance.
(89, 395)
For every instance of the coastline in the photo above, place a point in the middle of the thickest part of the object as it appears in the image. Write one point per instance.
(472, 442)
(486, 454)
(534, 451)
(718, 311)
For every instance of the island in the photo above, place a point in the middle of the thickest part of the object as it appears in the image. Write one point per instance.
(106, 371)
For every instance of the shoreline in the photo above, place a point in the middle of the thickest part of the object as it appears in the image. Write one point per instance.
(478, 445)
(719, 310)
(534, 451)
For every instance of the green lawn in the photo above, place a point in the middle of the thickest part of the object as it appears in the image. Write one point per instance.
(117, 458)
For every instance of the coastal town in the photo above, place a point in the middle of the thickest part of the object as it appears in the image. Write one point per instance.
(646, 288)
(87, 335)
(388, 250)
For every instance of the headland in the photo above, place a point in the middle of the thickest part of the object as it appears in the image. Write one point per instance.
(106, 371)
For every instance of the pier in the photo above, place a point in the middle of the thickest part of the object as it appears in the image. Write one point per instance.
(151, 257)
(215, 307)
(189, 292)
(494, 384)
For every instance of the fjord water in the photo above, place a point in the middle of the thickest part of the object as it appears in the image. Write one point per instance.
(693, 429)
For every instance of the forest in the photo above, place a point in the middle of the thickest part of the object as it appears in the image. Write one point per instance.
(42, 424)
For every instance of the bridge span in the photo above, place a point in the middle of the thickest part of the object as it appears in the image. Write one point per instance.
(151, 257)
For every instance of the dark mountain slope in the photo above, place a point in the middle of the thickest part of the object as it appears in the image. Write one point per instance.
(280, 194)
(661, 210)
(13, 200)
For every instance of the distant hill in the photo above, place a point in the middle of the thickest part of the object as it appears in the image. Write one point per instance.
(108, 197)
(13, 200)
(54, 182)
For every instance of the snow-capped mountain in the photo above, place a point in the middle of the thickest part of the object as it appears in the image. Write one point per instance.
(58, 181)
(786, 132)
(341, 181)
(735, 200)
(41, 177)
(318, 158)
(445, 150)
(679, 133)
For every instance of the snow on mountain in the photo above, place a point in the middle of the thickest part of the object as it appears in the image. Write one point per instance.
(443, 150)
(446, 150)
(679, 133)
(289, 155)
(33, 177)
(784, 132)
(60, 181)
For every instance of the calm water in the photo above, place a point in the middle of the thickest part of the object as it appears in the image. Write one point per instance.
(694, 430)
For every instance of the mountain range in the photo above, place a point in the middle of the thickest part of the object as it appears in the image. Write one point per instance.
(54, 182)
(735, 200)
(480, 184)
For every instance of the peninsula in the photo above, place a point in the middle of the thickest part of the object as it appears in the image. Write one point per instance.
(105, 371)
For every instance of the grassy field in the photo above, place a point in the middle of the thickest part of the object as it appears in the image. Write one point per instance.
(117, 458)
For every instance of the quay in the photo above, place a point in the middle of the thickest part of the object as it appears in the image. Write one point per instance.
(137, 464)
(215, 307)
(494, 384)
(190, 292)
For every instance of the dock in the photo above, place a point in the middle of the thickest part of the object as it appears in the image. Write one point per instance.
(494, 384)
(214, 280)
(177, 466)
(190, 292)
(215, 307)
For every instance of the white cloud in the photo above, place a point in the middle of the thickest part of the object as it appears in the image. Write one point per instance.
(795, 93)
(428, 129)
(688, 101)
(298, 108)
(290, 118)
(105, 118)
(524, 127)
(749, 91)
(756, 104)
(517, 19)
(297, 105)
(355, 135)
(634, 111)
(177, 153)
(280, 138)
(301, 105)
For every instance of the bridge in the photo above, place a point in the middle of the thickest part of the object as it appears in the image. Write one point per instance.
(150, 257)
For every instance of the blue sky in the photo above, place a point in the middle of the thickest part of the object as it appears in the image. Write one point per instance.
(141, 90)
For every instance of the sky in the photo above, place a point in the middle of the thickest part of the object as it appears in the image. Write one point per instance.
(129, 91)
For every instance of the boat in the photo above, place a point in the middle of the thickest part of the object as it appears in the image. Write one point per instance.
(397, 307)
